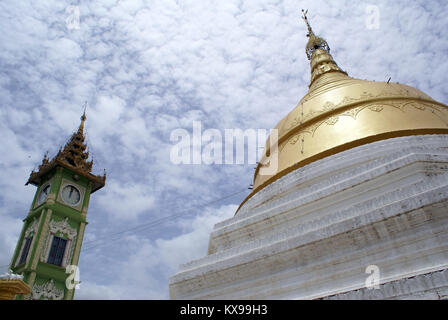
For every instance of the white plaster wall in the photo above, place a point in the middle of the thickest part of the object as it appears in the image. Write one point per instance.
(312, 233)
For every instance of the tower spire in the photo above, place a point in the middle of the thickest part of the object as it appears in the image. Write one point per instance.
(314, 42)
(83, 119)
(318, 52)
(305, 18)
(74, 152)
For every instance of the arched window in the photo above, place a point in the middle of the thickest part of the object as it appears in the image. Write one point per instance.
(57, 251)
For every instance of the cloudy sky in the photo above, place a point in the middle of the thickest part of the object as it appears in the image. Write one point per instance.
(147, 68)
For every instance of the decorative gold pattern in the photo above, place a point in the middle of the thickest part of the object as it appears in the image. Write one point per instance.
(353, 113)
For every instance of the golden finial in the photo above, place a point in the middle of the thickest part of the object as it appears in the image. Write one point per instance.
(314, 42)
(83, 118)
(305, 18)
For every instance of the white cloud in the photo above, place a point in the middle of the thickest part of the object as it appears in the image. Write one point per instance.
(63, 51)
(149, 67)
(125, 201)
(10, 228)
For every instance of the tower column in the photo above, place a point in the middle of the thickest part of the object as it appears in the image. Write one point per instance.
(35, 255)
(42, 239)
(69, 293)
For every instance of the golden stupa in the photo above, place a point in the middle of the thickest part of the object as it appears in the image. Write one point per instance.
(339, 112)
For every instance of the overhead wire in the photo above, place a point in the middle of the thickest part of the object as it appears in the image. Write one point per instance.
(148, 225)
(153, 223)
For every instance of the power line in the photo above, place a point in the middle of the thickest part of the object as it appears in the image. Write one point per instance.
(153, 223)
(164, 218)
(149, 224)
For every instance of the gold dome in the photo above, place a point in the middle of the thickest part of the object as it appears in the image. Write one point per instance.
(339, 112)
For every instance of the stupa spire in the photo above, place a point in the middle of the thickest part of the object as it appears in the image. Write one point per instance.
(318, 52)
(314, 42)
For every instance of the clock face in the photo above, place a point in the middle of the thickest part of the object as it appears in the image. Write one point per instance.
(71, 195)
(43, 194)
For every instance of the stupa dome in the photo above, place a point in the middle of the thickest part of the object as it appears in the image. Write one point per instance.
(339, 112)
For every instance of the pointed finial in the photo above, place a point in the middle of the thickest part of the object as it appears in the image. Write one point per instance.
(305, 18)
(45, 160)
(318, 52)
(83, 118)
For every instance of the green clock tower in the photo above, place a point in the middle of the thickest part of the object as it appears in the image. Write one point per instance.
(49, 246)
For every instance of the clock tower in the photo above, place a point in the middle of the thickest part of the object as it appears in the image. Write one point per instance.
(49, 246)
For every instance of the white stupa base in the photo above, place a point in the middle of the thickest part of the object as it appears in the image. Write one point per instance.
(313, 233)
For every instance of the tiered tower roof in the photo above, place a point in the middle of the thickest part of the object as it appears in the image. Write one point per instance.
(73, 156)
